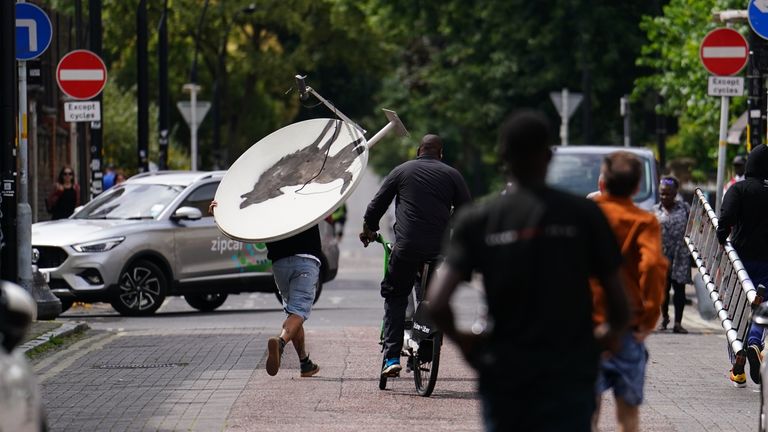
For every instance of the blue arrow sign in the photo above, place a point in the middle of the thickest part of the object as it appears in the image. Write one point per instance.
(758, 17)
(33, 31)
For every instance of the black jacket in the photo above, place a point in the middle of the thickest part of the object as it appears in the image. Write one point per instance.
(306, 242)
(426, 191)
(744, 212)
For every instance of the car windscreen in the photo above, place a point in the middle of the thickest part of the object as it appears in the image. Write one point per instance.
(578, 173)
(130, 201)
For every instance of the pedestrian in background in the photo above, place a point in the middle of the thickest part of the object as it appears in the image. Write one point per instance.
(65, 195)
(739, 163)
(109, 177)
(672, 214)
(119, 178)
(644, 273)
(536, 248)
(743, 217)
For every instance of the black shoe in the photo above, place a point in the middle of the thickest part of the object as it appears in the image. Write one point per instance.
(308, 367)
(274, 354)
(755, 359)
(678, 328)
(664, 323)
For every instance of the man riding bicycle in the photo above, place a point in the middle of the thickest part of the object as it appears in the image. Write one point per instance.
(426, 192)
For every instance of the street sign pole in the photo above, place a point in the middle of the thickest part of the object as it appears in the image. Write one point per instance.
(624, 111)
(193, 124)
(721, 154)
(565, 118)
(23, 210)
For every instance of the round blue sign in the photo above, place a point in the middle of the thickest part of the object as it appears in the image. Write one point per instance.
(33, 31)
(758, 17)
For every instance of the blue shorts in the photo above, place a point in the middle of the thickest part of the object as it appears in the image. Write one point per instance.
(625, 371)
(297, 278)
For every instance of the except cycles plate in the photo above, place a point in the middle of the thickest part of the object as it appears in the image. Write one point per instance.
(290, 180)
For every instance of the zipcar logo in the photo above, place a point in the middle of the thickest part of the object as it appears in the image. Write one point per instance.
(222, 245)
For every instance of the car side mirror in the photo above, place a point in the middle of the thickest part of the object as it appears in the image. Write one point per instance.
(188, 213)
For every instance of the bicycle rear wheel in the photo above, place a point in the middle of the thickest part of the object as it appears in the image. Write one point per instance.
(426, 364)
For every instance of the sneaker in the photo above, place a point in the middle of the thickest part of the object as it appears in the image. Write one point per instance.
(392, 367)
(309, 368)
(755, 358)
(274, 353)
(738, 380)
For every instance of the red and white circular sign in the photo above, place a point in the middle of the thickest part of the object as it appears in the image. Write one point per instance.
(724, 52)
(81, 74)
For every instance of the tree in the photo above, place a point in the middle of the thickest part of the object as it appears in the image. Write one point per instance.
(672, 54)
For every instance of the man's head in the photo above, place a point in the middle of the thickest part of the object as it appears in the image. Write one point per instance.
(739, 163)
(431, 145)
(524, 141)
(620, 174)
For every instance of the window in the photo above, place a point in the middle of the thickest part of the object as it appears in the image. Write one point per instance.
(201, 198)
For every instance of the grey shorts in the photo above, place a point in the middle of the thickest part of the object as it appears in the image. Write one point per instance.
(297, 278)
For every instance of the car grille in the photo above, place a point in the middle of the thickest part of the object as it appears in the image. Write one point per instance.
(50, 256)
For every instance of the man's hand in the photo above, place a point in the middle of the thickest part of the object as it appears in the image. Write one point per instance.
(367, 236)
(608, 339)
(212, 206)
(59, 187)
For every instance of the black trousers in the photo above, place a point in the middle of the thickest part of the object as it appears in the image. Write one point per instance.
(678, 300)
(395, 288)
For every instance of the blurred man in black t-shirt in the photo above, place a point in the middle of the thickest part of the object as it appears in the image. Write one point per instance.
(536, 248)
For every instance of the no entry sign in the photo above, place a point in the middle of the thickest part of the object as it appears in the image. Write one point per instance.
(724, 52)
(81, 74)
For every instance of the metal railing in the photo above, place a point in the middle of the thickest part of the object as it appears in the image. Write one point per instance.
(730, 288)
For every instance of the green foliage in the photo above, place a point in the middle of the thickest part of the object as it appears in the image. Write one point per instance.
(672, 53)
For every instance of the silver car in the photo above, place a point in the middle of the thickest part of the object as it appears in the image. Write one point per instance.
(152, 237)
(576, 169)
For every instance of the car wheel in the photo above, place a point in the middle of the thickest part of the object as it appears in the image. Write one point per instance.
(317, 294)
(205, 302)
(141, 289)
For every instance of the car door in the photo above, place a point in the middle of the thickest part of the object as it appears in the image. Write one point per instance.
(201, 250)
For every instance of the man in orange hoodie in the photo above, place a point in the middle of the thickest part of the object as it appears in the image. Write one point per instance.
(644, 272)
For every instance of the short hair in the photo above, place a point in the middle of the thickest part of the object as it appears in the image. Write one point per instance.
(431, 144)
(524, 134)
(670, 180)
(621, 173)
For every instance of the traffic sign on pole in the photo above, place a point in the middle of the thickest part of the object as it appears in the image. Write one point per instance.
(757, 13)
(724, 52)
(33, 31)
(81, 74)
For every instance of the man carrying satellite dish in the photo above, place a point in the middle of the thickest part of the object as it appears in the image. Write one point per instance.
(426, 192)
(296, 269)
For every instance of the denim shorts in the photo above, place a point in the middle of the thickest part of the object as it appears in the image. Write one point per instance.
(297, 278)
(625, 371)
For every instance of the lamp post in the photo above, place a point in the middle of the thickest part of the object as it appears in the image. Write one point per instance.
(193, 89)
(219, 86)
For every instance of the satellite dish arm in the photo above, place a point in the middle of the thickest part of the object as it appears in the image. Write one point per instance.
(305, 91)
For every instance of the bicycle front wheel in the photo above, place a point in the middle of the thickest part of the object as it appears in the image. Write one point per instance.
(426, 364)
(382, 377)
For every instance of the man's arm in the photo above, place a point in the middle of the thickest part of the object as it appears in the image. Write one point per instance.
(462, 195)
(616, 309)
(439, 294)
(381, 201)
(652, 268)
(728, 214)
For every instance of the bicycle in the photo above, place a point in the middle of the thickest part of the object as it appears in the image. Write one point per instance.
(423, 341)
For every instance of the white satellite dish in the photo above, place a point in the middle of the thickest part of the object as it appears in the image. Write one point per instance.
(295, 176)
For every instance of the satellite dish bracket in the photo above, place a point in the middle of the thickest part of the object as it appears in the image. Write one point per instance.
(395, 124)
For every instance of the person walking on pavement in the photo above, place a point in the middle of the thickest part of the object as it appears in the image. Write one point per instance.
(296, 269)
(426, 192)
(536, 248)
(739, 162)
(65, 196)
(644, 272)
(742, 216)
(672, 214)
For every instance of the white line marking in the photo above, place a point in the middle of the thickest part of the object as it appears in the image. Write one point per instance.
(31, 25)
(165, 303)
(724, 52)
(81, 75)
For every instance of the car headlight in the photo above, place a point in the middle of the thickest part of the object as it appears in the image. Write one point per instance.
(98, 245)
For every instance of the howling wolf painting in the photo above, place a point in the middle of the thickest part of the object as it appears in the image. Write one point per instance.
(313, 163)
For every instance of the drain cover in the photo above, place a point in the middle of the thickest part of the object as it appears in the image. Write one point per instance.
(140, 366)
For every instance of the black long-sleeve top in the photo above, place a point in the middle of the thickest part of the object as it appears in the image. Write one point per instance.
(426, 191)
